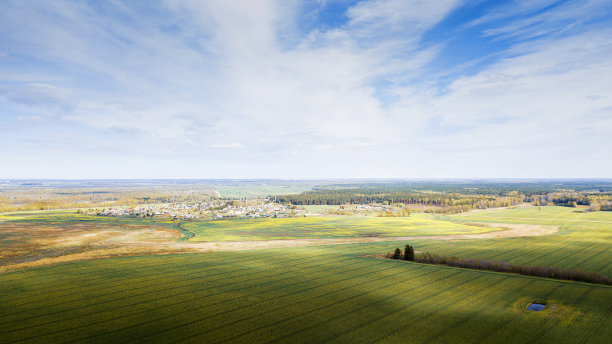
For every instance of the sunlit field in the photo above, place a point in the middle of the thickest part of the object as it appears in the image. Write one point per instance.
(326, 227)
(337, 293)
(584, 240)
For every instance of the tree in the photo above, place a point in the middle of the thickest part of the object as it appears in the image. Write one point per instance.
(397, 254)
(409, 253)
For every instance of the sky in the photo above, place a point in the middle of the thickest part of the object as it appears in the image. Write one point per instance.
(305, 89)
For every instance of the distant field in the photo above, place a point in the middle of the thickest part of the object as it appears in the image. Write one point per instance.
(324, 227)
(238, 191)
(325, 294)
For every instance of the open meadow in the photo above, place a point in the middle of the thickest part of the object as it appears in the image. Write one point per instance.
(332, 293)
(326, 227)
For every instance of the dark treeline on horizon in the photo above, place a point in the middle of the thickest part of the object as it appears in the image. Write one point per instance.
(456, 197)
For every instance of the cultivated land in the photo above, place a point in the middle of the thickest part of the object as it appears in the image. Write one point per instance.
(332, 293)
(326, 227)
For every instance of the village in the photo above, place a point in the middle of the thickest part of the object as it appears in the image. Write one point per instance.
(215, 209)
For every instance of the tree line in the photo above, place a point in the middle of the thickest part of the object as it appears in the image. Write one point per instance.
(500, 266)
(455, 198)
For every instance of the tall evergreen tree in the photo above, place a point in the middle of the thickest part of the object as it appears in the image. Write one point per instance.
(409, 253)
(397, 253)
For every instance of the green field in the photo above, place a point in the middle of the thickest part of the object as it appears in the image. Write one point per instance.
(325, 227)
(583, 242)
(325, 293)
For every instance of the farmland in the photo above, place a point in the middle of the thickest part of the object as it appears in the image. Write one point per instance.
(584, 240)
(304, 295)
(326, 227)
(337, 293)
(44, 237)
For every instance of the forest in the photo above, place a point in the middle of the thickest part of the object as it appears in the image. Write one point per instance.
(455, 197)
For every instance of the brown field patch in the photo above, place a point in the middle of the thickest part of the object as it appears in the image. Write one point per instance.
(31, 244)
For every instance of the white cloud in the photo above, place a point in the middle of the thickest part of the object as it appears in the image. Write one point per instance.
(226, 145)
(37, 95)
(562, 16)
(537, 109)
(202, 77)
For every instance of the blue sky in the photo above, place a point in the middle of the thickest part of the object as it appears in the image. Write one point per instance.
(305, 89)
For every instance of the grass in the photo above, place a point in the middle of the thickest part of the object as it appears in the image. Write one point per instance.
(326, 293)
(584, 241)
(324, 227)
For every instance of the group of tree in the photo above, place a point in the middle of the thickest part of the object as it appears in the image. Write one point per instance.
(408, 253)
(403, 211)
(595, 200)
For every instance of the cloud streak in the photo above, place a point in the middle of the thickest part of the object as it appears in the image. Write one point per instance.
(243, 87)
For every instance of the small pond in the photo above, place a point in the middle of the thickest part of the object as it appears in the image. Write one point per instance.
(536, 307)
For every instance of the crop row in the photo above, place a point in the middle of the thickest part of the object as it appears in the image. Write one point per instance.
(219, 301)
(117, 277)
(131, 289)
(172, 288)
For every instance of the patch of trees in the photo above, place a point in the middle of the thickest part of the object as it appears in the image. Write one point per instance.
(500, 266)
(601, 206)
(595, 200)
(401, 212)
(408, 254)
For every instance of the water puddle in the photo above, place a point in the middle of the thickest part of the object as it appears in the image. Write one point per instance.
(536, 307)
